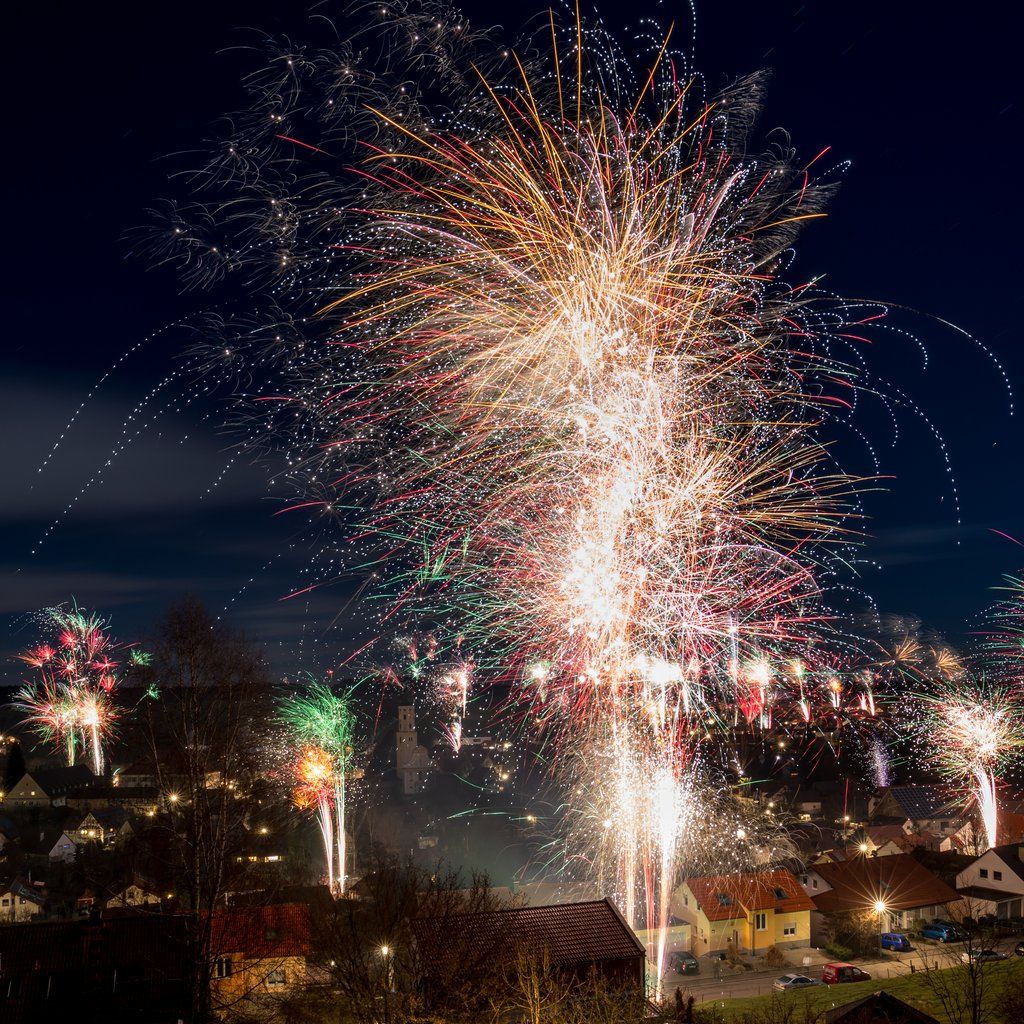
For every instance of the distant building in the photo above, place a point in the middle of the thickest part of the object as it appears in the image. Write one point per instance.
(923, 808)
(412, 761)
(138, 893)
(136, 799)
(19, 902)
(65, 849)
(751, 911)
(971, 838)
(49, 787)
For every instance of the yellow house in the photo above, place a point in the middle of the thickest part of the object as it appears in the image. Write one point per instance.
(752, 911)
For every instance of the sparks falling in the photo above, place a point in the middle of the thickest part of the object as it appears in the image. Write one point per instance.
(321, 725)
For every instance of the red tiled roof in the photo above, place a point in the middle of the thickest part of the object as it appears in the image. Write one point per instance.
(900, 881)
(570, 933)
(280, 930)
(726, 897)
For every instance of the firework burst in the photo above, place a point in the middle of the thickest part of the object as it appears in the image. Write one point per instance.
(321, 724)
(70, 703)
(973, 732)
(536, 356)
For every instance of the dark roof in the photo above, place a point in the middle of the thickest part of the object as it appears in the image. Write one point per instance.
(879, 1007)
(981, 892)
(726, 897)
(1010, 856)
(58, 781)
(920, 801)
(19, 887)
(901, 881)
(569, 933)
(51, 946)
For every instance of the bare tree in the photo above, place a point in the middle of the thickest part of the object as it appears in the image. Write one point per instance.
(201, 729)
(376, 963)
(961, 980)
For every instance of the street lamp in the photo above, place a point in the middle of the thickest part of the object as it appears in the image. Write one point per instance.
(880, 911)
(389, 979)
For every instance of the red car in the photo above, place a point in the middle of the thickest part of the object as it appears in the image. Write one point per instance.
(836, 974)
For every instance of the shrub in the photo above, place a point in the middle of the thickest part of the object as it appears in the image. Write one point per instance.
(774, 957)
(838, 951)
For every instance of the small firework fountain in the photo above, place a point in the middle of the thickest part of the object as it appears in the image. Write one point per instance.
(973, 730)
(321, 726)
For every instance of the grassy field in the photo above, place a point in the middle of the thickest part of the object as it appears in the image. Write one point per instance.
(912, 988)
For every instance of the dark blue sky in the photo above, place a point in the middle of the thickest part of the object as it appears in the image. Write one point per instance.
(926, 106)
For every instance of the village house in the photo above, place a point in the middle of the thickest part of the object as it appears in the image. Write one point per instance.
(143, 800)
(994, 883)
(49, 787)
(259, 956)
(19, 902)
(138, 893)
(65, 849)
(898, 890)
(972, 839)
(921, 809)
(750, 911)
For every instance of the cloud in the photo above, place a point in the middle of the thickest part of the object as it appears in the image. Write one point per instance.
(115, 458)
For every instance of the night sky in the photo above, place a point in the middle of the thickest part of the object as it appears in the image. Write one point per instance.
(926, 106)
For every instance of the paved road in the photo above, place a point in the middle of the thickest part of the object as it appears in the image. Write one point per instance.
(706, 987)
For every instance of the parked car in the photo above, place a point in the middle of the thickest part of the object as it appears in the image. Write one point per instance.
(982, 955)
(788, 982)
(896, 941)
(943, 932)
(836, 974)
(683, 963)
(1019, 949)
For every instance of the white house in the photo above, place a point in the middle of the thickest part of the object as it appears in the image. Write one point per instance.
(994, 883)
(65, 849)
(137, 894)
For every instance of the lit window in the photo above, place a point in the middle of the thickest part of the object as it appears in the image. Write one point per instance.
(761, 922)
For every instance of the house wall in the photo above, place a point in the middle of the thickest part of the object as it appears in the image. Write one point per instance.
(250, 981)
(916, 916)
(993, 865)
(800, 921)
(26, 793)
(64, 849)
(813, 883)
(16, 909)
